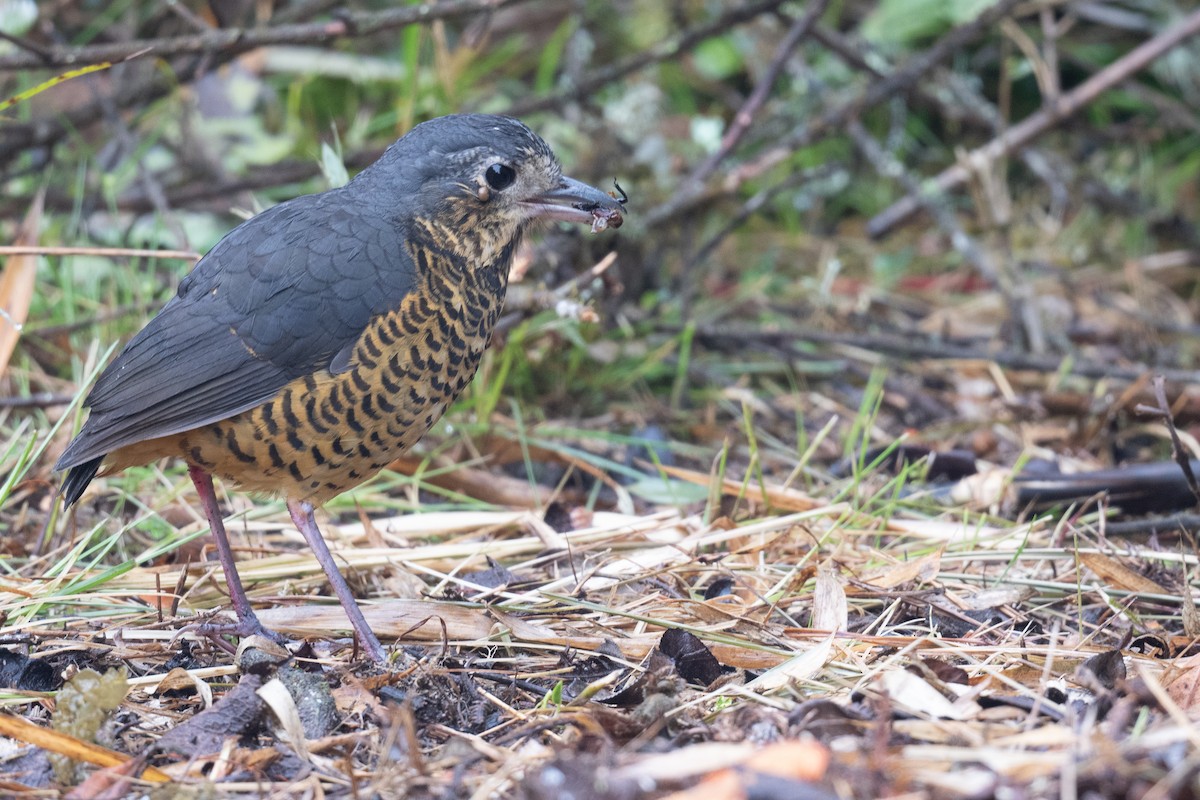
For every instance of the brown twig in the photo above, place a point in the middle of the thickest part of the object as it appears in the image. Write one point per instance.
(755, 204)
(350, 24)
(961, 102)
(1176, 523)
(192, 192)
(213, 48)
(109, 252)
(663, 52)
(39, 400)
(15, 137)
(31, 47)
(744, 118)
(952, 96)
(745, 115)
(888, 167)
(899, 81)
(1036, 124)
(727, 335)
(281, 174)
(1015, 292)
(1163, 411)
(51, 331)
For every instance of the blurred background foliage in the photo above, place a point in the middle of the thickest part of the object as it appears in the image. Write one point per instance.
(849, 106)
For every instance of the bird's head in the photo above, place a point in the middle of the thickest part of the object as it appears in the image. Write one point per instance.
(477, 181)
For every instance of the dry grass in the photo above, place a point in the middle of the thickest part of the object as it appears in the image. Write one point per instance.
(950, 654)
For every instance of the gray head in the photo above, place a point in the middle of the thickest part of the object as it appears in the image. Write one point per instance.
(480, 179)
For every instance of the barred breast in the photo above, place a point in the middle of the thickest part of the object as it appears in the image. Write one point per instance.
(328, 432)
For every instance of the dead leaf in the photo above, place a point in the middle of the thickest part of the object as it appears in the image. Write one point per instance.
(1184, 689)
(110, 782)
(1119, 576)
(829, 602)
(782, 498)
(925, 568)
(411, 619)
(1191, 617)
(786, 767)
(179, 679)
(798, 668)
(283, 706)
(17, 282)
(920, 697)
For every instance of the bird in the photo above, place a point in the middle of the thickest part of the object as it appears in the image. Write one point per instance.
(322, 338)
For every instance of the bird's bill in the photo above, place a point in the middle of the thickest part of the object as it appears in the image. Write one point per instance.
(575, 201)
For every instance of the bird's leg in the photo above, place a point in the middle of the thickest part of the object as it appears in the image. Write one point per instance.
(248, 624)
(302, 515)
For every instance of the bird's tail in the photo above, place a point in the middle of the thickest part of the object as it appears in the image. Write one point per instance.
(78, 477)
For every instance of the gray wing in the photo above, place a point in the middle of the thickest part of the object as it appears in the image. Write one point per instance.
(276, 299)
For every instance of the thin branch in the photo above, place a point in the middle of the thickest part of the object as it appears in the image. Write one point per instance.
(743, 336)
(220, 44)
(1162, 409)
(39, 400)
(877, 92)
(755, 204)
(1015, 291)
(18, 136)
(963, 102)
(108, 252)
(350, 24)
(1036, 124)
(664, 52)
(745, 115)
(24, 44)
(889, 168)
(192, 192)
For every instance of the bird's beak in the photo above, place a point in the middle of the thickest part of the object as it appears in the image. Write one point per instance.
(574, 201)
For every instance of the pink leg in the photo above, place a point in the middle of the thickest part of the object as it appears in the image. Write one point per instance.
(302, 515)
(248, 623)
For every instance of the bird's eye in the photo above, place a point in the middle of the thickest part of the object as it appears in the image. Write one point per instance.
(500, 176)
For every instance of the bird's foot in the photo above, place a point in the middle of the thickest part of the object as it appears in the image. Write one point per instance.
(243, 628)
(371, 647)
(249, 626)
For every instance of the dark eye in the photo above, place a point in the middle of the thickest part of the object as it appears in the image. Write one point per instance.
(500, 176)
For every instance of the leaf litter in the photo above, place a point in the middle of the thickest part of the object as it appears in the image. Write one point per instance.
(828, 649)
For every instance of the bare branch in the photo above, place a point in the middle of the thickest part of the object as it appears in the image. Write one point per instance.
(903, 344)
(745, 115)
(350, 24)
(653, 55)
(1036, 124)
(899, 81)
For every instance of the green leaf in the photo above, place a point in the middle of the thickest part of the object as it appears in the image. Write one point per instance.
(332, 167)
(907, 21)
(552, 56)
(664, 491)
(17, 16)
(717, 59)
